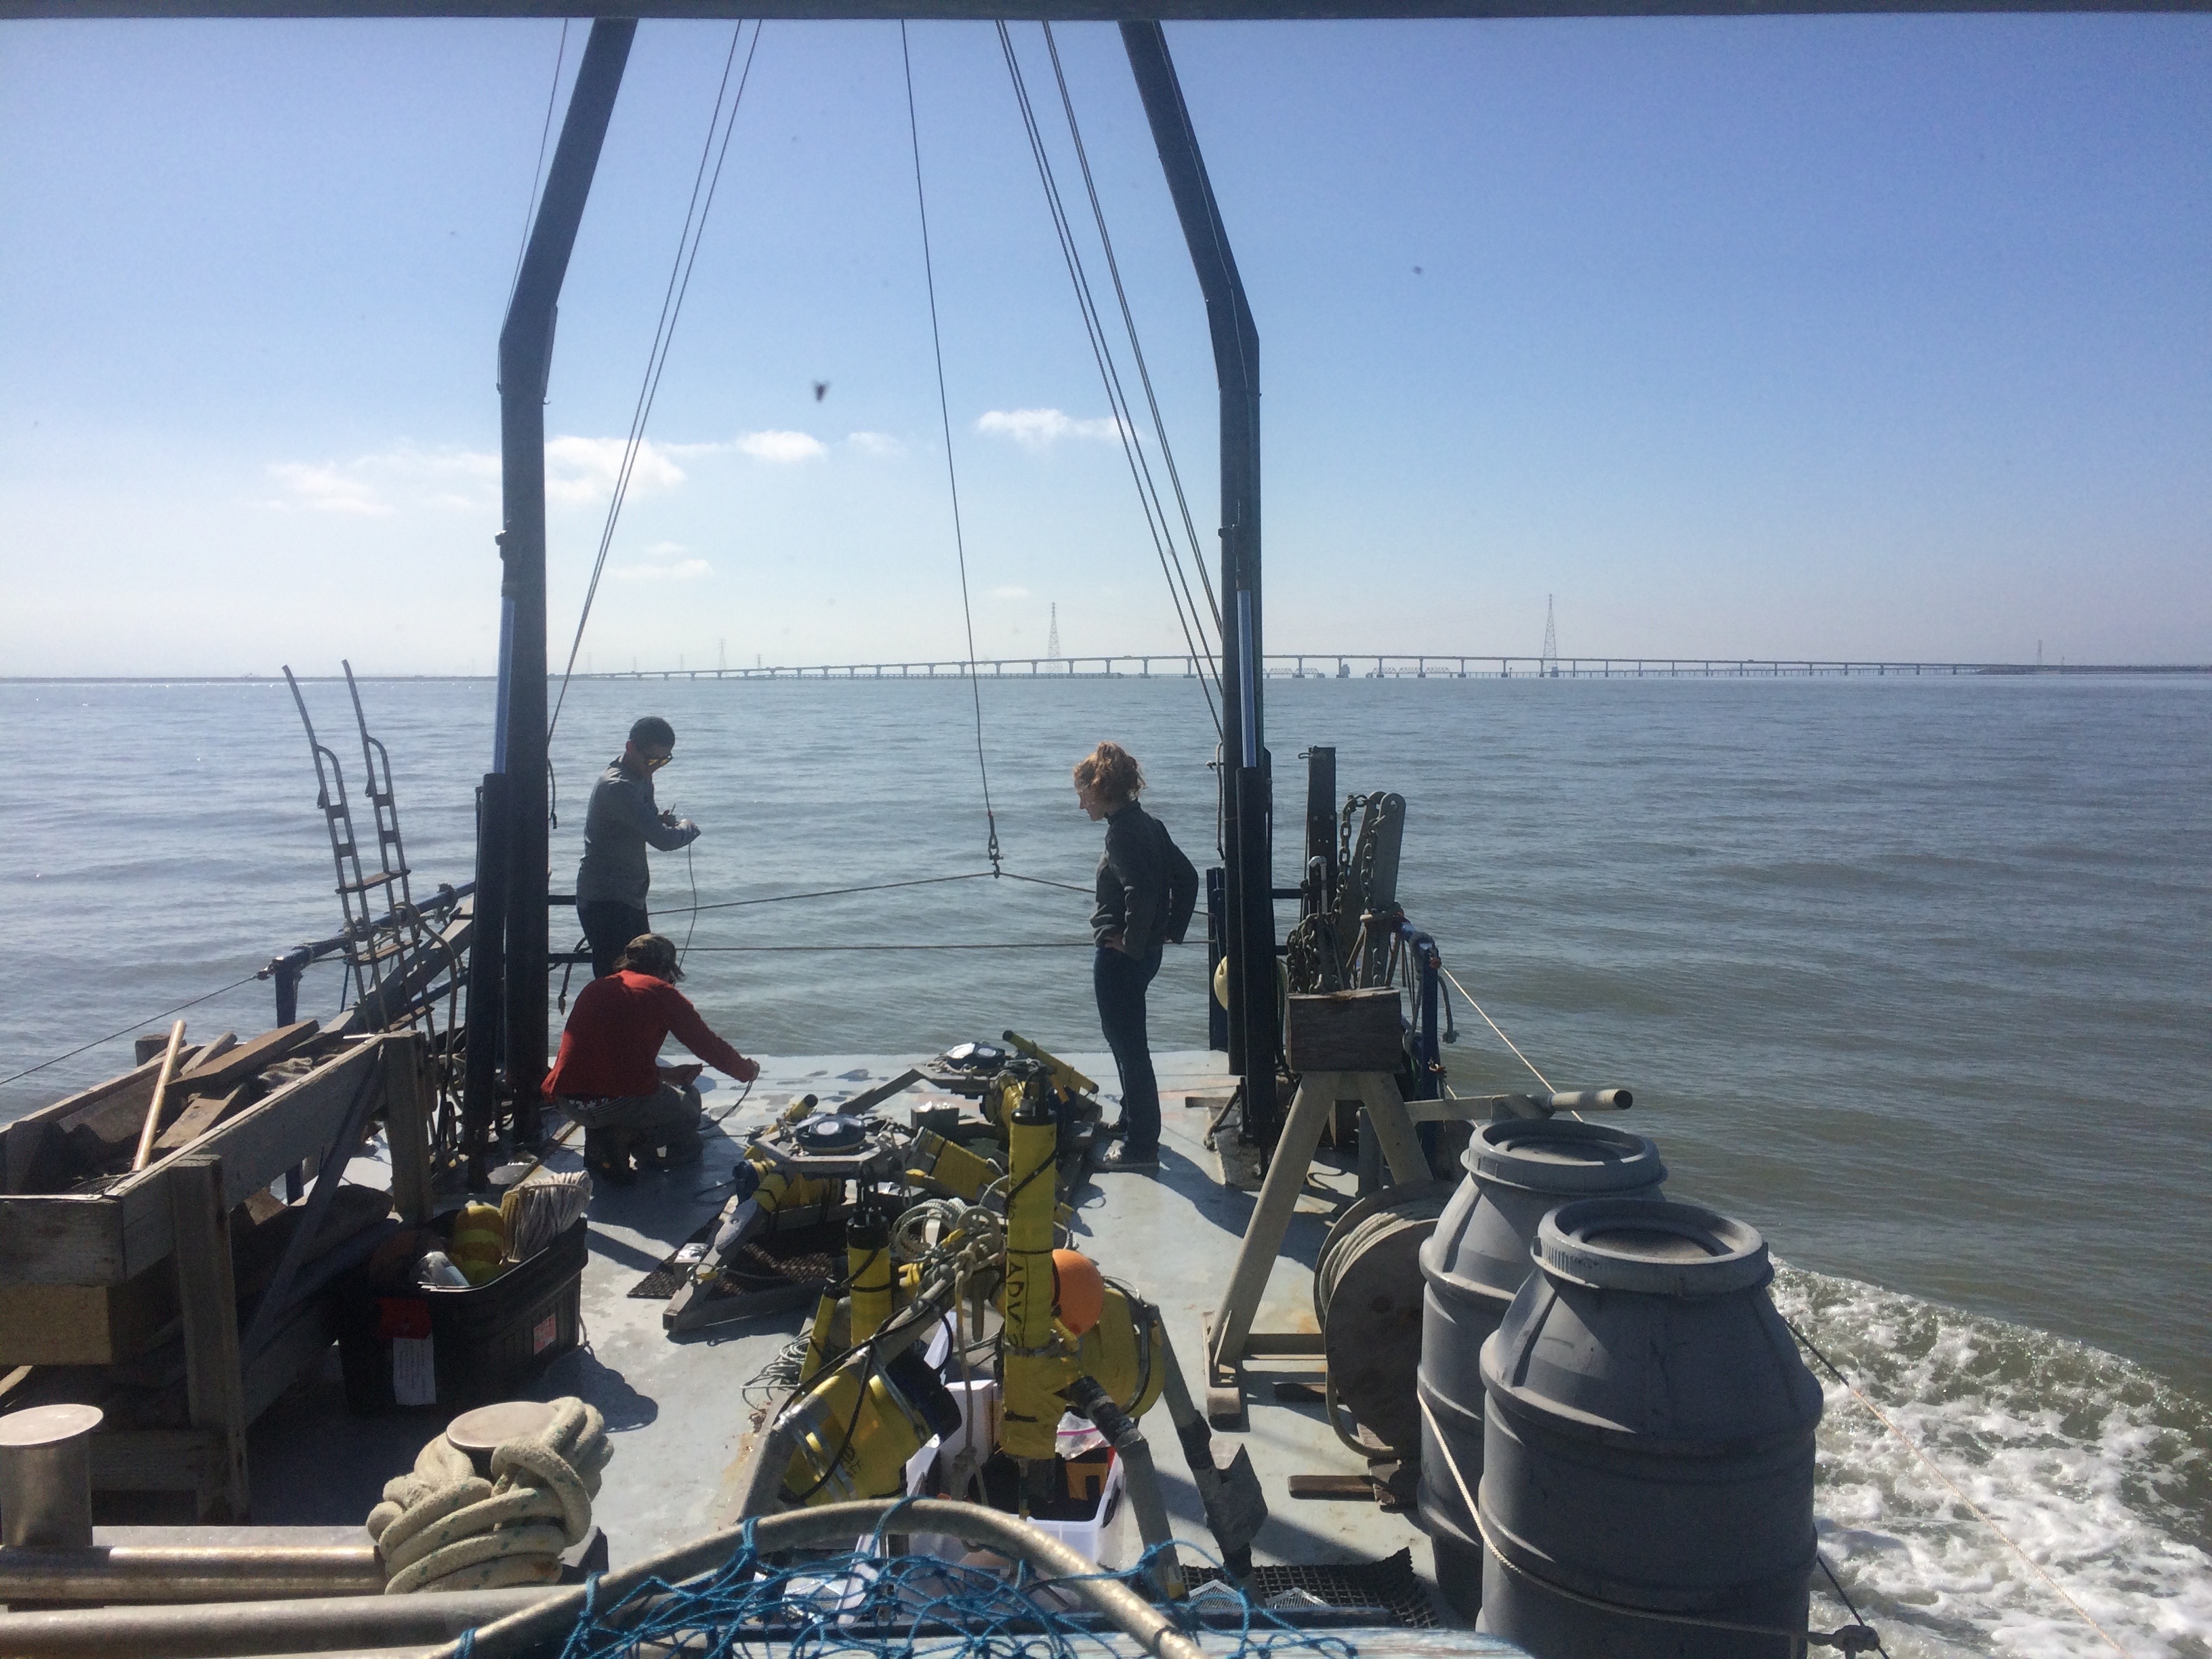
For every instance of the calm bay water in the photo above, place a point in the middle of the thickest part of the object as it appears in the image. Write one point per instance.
(1913, 975)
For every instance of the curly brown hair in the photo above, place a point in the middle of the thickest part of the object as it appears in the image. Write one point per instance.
(1111, 772)
(650, 953)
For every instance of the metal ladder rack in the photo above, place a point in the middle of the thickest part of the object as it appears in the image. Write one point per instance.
(374, 944)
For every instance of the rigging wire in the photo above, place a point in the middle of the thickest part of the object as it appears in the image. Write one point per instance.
(886, 886)
(537, 174)
(664, 334)
(984, 944)
(1102, 354)
(128, 1029)
(1136, 348)
(691, 871)
(1494, 1026)
(944, 416)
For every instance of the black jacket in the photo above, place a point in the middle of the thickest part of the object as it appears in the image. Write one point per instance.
(1146, 888)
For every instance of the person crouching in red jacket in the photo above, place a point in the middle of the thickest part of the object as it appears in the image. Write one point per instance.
(606, 1077)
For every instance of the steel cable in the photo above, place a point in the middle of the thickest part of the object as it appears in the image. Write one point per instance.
(128, 1029)
(1102, 354)
(538, 174)
(951, 476)
(664, 333)
(1137, 351)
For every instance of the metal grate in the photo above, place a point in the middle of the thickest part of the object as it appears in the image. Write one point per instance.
(1387, 1590)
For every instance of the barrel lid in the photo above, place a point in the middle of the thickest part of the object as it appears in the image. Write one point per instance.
(488, 1427)
(1651, 1245)
(1563, 1155)
(47, 1426)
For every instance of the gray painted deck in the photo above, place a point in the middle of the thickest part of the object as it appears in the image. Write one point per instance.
(676, 1410)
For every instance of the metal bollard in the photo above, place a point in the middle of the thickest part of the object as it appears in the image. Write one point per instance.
(45, 1477)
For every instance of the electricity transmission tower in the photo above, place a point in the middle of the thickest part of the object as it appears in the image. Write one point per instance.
(1052, 639)
(1549, 667)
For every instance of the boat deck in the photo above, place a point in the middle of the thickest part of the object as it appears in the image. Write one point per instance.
(677, 1408)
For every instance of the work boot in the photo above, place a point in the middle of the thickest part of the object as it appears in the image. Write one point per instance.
(1126, 1156)
(1117, 1130)
(606, 1155)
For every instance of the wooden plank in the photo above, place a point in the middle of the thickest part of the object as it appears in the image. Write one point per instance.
(1346, 1031)
(214, 1390)
(351, 1130)
(104, 1238)
(63, 1239)
(296, 1121)
(204, 1113)
(215, 1074)
(84, 1324)
(407, 1109)
(24, 1145)
(256, 1147)
(93, 1127)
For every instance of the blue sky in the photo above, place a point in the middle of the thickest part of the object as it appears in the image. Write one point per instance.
(1832, 336)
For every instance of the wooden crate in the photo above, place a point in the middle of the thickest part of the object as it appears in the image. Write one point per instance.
(1346, 1031)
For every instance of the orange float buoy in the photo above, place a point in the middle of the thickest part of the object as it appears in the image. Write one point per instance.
(1078, 1289)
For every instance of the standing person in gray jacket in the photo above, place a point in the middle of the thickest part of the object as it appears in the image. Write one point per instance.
(622, 820)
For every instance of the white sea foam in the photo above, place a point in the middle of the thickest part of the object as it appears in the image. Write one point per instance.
(2100, 1473)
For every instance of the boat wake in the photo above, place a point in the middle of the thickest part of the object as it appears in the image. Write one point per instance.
(2099, 1472)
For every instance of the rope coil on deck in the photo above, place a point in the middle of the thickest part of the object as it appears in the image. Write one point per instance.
(445, 1526)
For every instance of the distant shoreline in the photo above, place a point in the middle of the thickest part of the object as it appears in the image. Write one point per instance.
(1586, 669)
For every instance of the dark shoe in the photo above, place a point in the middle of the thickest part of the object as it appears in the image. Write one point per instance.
(1117, 1130)
(607, 1157)
(1126, 1156)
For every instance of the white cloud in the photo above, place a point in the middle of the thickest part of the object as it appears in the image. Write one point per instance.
(876, 443)
(682, 570)
(327, 488)
(780, 448)
(1041, 428)
(581, 471)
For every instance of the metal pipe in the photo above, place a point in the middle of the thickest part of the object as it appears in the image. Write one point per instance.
(132, 1572)
(525, 359)
(213, 1630)
(487, 972)
(1562, 1100)
(840, 1523)
(1247, 848)
(45, 1472)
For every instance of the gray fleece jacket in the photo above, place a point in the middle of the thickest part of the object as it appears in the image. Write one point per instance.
(621, 823)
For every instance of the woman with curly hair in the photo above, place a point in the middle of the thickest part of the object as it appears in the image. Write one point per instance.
(1145, 893)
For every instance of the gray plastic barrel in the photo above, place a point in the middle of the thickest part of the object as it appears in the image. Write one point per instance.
(1474, 1261)
(1648, 1443)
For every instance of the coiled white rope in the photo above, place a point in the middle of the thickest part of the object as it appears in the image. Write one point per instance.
(446, 1527)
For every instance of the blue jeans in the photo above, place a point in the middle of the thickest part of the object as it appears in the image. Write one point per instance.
(1120, 980)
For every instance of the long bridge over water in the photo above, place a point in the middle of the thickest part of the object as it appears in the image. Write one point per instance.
(1391, 666)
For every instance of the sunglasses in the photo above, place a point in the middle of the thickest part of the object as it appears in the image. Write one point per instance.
(654, 763)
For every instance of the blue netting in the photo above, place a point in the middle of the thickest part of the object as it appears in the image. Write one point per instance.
(910, 1606)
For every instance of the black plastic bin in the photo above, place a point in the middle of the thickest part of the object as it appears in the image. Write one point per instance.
(485, 1342)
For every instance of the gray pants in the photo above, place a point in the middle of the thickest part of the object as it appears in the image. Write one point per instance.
(667, 1118)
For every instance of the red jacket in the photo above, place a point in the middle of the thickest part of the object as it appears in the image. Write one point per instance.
(615, 1030)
